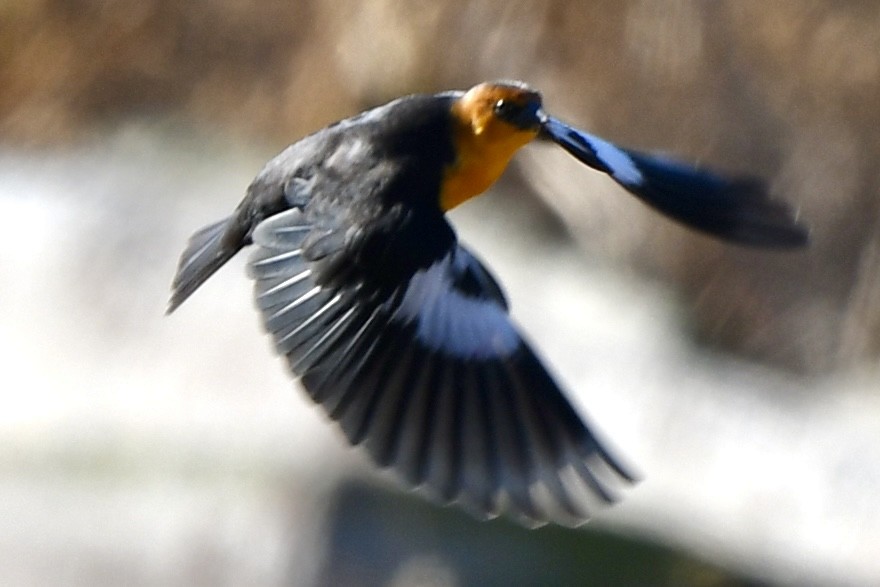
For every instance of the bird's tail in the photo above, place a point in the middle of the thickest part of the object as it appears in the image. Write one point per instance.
(206, 251)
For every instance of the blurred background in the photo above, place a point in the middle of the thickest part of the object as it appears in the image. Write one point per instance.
(140, 449)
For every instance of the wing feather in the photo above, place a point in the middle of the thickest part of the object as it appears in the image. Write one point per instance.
(429, 375)
(737, 209)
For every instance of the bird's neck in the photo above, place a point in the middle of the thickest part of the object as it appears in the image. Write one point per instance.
(483, 150)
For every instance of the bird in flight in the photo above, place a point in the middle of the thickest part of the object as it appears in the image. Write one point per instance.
(401, 333)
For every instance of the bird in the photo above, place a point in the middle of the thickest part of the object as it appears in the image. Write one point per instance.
(402, 334)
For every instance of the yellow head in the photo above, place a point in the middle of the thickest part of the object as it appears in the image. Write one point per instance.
(491, 122)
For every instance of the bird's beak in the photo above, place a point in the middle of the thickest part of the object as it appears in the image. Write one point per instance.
(531, 118)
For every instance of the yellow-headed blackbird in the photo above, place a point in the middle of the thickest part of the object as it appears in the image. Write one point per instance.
(400, 332)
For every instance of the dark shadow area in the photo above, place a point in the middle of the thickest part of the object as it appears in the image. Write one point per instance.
(382, 537)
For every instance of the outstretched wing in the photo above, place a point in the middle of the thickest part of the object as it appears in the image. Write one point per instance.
(736, 209)
(433, 379)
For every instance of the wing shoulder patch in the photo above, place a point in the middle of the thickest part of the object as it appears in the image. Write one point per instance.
(454, 312)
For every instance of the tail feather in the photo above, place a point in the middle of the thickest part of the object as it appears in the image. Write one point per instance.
(205, 253)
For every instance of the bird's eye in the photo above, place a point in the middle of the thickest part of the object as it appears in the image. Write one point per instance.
(506, 110)
(520, 115)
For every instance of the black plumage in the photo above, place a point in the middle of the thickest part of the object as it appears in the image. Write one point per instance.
(400, 332)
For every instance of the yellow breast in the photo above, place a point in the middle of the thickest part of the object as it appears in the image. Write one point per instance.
(484, 146)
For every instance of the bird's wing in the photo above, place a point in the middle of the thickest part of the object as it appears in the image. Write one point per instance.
(433, 379)
(736, 209)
